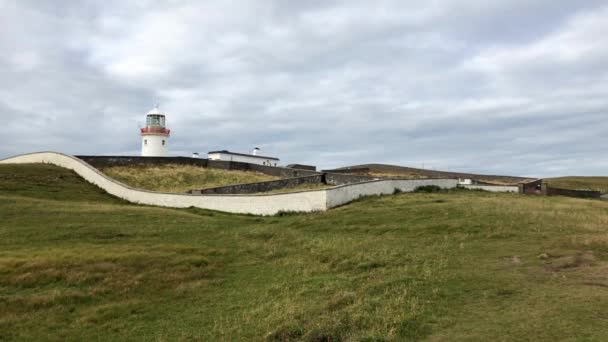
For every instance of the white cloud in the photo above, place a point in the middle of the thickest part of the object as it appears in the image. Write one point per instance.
(582, 41)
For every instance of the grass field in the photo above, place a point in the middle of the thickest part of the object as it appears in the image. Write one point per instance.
(180, 178)
(76, 264)
(591, 183)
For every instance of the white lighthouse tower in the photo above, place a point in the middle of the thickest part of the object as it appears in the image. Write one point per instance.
(155, 136)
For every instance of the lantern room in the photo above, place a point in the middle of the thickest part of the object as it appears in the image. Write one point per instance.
(155, 136)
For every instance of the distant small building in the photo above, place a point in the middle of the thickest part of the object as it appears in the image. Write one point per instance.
(531, 187)
(253, 158)
(465, 181)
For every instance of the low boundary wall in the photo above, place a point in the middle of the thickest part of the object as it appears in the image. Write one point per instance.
(106, 161)
(549, 191)
(542, 187)
(252, 188)
(351, 171)
(276, 171)
(341, 179)
(492, 188)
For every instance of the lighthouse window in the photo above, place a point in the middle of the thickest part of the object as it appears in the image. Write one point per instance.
(145, 141)
(163, 143)
(155, 120)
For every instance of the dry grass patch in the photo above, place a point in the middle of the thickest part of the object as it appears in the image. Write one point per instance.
(574, 260)
(180, 178)
(111, 269)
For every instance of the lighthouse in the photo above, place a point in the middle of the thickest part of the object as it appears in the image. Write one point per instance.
(155, 136)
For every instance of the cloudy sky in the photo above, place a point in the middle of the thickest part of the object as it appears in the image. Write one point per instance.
(508, 87)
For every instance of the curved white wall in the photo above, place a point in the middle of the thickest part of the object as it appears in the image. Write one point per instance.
(305, 201)
(152, 145)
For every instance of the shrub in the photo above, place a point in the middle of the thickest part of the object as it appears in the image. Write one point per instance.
(428, 188)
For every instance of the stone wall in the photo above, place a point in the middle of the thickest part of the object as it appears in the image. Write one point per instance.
(354, 170)
(252, 188)
(302, 167)
(341, 179)
(276, 171)
(106, 161)
(549, 191)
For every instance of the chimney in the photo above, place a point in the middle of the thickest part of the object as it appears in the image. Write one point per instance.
(255, 151)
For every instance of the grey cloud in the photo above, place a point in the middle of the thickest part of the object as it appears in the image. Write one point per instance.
(501, 87)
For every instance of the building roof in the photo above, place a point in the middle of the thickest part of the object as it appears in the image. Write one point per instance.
(155, 111)
(242, 154)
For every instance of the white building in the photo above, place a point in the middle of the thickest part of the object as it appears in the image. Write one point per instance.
(155, 136)
(253, 158)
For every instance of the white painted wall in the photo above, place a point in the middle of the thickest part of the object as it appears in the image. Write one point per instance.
(346, 193)
(493, 188)
(305, 201)
(243, 159)
(152, 145)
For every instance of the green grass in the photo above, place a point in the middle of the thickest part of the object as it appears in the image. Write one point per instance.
(590, 183)
(180, 178)
(76, 264)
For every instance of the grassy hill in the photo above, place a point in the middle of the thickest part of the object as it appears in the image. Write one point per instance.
(180, 178)
(591, 183)
(394, 171)
(76, 264)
